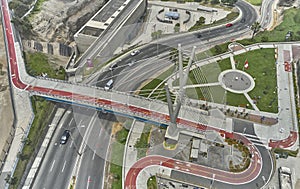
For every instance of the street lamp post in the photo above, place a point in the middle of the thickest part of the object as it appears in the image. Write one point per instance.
(212, 181)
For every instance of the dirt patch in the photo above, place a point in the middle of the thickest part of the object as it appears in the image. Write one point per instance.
(6, 112)
(116, 127)
(263, 120)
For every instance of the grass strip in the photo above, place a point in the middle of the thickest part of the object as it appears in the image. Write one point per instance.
(151, 183)
(43, 110)
(142, 143)
(117, 158)
(255, 2)
(229, 17)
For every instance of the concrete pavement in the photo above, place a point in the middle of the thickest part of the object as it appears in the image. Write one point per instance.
(24, 118)
(130, 152)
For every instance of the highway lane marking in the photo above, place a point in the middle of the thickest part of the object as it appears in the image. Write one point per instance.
(71, 121)
(52, 166)
(88, 182)
(64, 166)
(71, 143)
(94, 155)
(100, 131)
(80, 122)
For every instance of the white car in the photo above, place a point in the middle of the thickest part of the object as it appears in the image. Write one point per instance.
(131, 63)
(135, 52)
(109, 85)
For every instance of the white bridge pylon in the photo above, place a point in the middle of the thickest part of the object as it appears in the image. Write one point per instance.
(172, 130)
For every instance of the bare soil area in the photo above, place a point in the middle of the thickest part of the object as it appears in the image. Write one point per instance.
(59, 20)
(6, 112)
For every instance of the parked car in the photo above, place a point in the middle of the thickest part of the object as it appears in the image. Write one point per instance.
(135, 52)
(64, 137)
(229, 25)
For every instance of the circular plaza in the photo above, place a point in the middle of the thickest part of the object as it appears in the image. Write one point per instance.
(236, 81)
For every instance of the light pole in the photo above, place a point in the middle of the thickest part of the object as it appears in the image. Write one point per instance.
(212, 181)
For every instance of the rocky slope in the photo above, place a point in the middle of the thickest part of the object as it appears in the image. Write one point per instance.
(59, 20)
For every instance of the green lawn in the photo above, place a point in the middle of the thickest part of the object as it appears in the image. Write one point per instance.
(142, 142)
(151, 183)
(38, 63)
(291, 22)
(117, 158)
(262, 68)
(160, 93)
(255, 2)
(43, 110)
(229, 17)
(217, 49)
(237, 100)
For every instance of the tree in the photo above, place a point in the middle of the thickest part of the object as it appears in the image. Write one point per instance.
(157, 34)
(177, 27)
(173, 54)
(1, 66)
(229, 2)
(215, 2)
(218, 49)
(255, 28)
(201, 20)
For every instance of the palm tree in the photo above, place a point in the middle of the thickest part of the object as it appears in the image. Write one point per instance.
(255, 28)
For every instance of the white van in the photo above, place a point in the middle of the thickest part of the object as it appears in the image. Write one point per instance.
(109, 84)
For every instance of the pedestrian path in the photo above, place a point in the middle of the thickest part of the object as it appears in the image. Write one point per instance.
(24, 118)
(130, 155)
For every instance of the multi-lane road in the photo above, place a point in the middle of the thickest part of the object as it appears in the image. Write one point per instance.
(58, 166)
(84, 153)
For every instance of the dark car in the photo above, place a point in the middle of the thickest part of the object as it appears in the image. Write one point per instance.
(113, 66)
(64, 137)
(229, 25)
(171, 184)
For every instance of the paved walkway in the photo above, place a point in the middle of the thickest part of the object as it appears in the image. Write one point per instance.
(24, 118)
(130, 156)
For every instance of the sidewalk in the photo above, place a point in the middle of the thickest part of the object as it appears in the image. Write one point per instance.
(130, 155)
(24, 118)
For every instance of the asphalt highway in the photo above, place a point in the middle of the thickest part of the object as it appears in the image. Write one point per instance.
(154, 51)
(92, 166)
(56, 168)
(59, 162)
